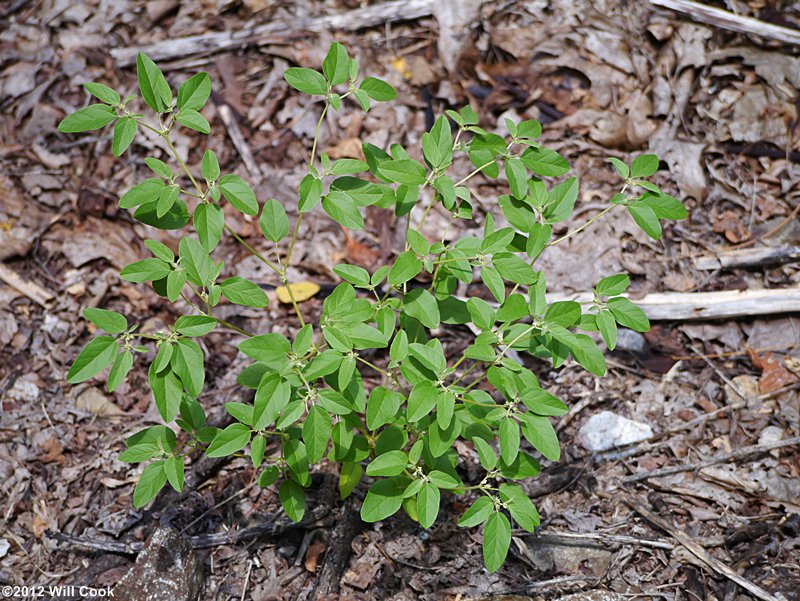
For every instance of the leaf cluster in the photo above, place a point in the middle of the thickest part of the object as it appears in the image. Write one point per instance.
(309, 398)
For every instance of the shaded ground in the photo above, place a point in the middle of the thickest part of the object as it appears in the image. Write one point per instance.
(606, 79)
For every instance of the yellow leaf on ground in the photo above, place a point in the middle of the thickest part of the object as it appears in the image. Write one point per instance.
(302, 291)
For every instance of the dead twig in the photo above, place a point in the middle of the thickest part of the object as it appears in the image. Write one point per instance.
(690, 467)
(272, 33)
(728, 20)
(235, 134)
(602, 537)
(30, 289)
(698, 551)
(200, 541)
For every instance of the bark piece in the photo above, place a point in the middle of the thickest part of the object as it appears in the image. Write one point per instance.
(167, 568)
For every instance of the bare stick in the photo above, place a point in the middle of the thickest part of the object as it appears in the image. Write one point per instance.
(275, 32)
(690, 467)
(699, 552)
(728, 20)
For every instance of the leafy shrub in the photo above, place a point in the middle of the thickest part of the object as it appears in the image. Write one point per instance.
(310, 402)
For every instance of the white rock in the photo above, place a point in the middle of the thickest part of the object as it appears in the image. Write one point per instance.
(607, 430)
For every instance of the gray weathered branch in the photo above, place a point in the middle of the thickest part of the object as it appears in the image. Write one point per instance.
(272, 33)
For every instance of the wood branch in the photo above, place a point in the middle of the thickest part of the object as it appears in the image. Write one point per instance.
(202, 541)
(698, 551)
(749, 258)
(604, 538)
(275, 33)
(728, 20)
(727, 304)
(30, 289)
(691, 467)
(226, 114)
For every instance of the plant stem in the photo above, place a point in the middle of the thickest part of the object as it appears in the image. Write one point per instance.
(582, 227)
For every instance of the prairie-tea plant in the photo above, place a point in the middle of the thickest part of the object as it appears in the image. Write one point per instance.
(310, 403)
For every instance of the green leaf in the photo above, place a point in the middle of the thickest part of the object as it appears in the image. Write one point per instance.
(496, 540)
(209, 222)
(187, 363)
(608, 328)
(159, 167)
(305, 80)
(110, 321)
(421, 400)
(237, 192)
(194, 92)
(377, 89)
(228, 441)
(509, 439)
(94, 358)
(154, 87)
(544, 161)
(293, 499)
(563, 313)
(173, 468)
(420, 304)
(210, 166)
(274, 223)
(167, 391)
(166, 200)
(646, 219)
(103, 93)
(491, 278)
(267, 348)
(621, 167)
(382, 407)
(124, 131)
(612, 285)
(195, 325)
(317, 433)
(144, 193)
(428, 499)
(268, 477)
(540, 433)
(241, 291)
(586, 352)
(343, 210)
(176, 217)
(478, 512)
(193, 120)
(628, 314)
(405, 267)
(92, 117)
(310, 191)
(383, 499)
(542, 402)
(272, 397)
(161, 251)
(561, 201)
(122, 365)
(644, 165)
(349, 476)
(514, 269)
(517, 176)
(391, 463)
(664, 206)
(486, 454)
(520, 506)
(403, 171)
(348, 166)
(145, 270)
(151, 481)
(196, 261)
(358, 276)
(437, 145)
(336, 65)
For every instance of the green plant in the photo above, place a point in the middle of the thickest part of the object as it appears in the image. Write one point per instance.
(310, 401)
